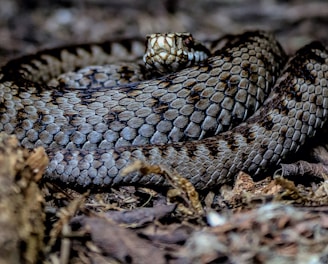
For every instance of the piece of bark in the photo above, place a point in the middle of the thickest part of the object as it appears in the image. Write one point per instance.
(21, 202)
(302, 168)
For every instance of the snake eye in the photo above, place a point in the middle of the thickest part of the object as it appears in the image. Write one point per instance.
(188, 41)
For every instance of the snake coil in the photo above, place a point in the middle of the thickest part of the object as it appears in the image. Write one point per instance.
(241, 110)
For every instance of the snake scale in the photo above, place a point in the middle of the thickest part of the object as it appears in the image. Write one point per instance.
(241, 110)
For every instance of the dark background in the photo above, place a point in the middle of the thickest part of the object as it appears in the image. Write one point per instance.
(26, 26)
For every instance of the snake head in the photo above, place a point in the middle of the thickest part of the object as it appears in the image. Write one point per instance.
(171, 52)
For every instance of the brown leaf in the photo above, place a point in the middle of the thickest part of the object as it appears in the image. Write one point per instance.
(140, 216)
(120, 243)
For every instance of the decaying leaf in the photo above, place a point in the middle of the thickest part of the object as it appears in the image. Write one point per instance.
(21, 202)
(182, 187)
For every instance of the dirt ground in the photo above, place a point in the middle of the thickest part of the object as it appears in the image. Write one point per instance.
(268, 221)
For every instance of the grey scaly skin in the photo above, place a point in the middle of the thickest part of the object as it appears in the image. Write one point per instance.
(91, 134)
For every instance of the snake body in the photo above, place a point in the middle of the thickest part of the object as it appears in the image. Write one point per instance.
(187, 121)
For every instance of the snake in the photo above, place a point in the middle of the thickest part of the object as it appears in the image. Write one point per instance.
(241, 104)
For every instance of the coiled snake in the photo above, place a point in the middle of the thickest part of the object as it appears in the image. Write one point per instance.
(176, 120)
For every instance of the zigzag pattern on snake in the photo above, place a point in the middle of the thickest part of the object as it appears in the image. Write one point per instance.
(177, 120)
